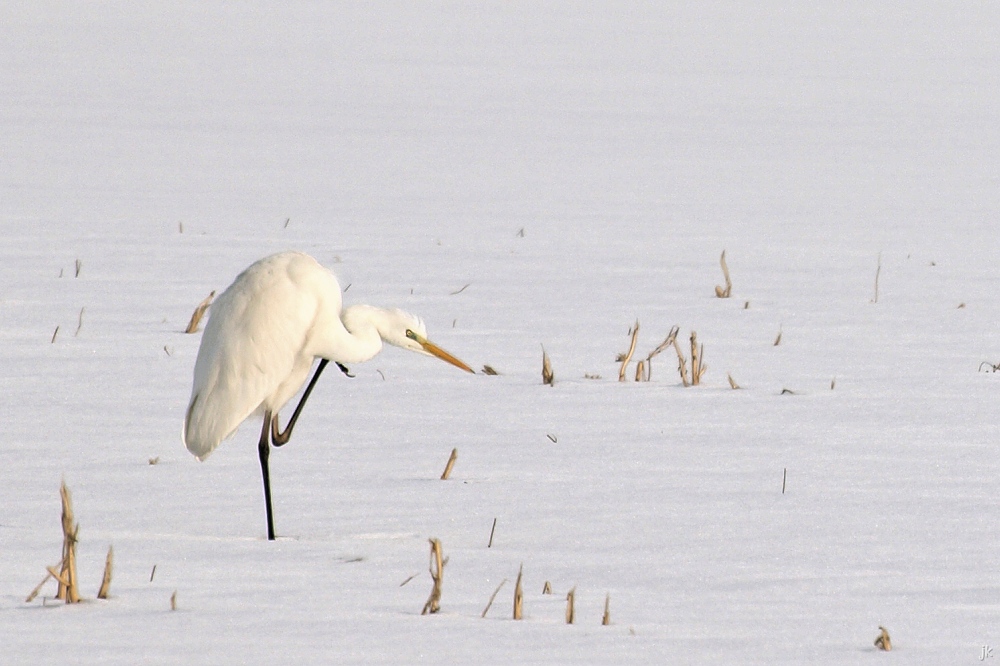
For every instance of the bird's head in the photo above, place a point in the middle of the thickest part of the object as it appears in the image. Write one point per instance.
(408, 331)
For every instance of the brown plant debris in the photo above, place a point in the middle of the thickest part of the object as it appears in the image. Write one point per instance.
(570, 603)
(450, 465)
(68, 590)
(198, 313)
(606, 620)
(627, 356)
(669, 340)
(519, 595)
(681, 363)
(548, 377)
(724, 292)
(883, 642)
(732, 382)
(102, 593)
(493, 597)
(698, 367)
(488, 370)
(433, 604)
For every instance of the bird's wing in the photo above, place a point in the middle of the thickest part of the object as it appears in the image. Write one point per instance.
(251, 355)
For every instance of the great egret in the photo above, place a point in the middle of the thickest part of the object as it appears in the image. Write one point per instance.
(259, 344)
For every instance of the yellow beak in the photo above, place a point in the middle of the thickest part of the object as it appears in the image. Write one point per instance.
(434, 350)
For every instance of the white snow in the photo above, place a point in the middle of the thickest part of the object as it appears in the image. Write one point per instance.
(405, 145)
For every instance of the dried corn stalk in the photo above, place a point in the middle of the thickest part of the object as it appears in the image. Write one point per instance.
(883, 642)
(570, 610)
(66, 575)
(548, 377)
(518, 596)
(451, 463)
(681, 363)
(669, 340)
(626, 357)
(698, 368)
(106, 582)
(492, 597)
(719, 291)
(433, 604)
(198, 313)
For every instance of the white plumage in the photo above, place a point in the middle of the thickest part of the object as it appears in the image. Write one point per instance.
(261, 339)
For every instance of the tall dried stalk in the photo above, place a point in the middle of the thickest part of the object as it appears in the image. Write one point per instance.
(519, 596)
(626, 357)
(67, 578)
(433, 604)
(719, 291)
(606, 620)
(198, 313)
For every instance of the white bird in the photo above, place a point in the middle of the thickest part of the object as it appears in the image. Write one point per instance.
(259, 344)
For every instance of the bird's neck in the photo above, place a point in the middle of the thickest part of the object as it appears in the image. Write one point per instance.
(363, 340)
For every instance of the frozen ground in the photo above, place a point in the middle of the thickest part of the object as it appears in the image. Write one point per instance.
(168, 145)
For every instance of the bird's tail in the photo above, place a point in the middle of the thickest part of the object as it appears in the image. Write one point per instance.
(197, 434)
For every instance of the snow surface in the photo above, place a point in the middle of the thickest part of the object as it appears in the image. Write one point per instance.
(578, 167)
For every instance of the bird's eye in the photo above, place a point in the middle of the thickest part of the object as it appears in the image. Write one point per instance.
(411, 335)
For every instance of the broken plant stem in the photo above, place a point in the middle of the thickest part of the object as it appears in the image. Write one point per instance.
(719, 291)
(450, 465)
(492, 597)
(198, 313)
(518, 595)
(631, 350)
(433, 604)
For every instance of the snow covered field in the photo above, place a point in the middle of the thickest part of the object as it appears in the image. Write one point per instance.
(578, 167)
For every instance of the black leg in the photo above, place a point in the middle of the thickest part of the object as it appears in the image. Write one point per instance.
(281, 438)
(263, 450)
